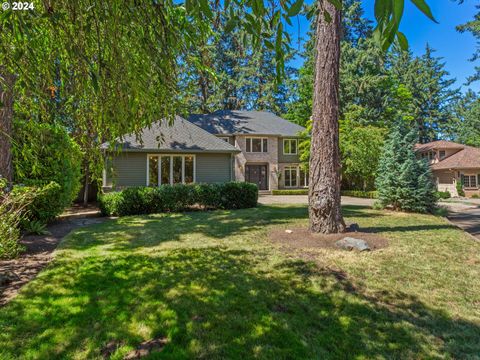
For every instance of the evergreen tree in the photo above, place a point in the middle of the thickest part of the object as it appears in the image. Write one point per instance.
(404, 182)
(473, 27)
(433, 97)
(466, 128)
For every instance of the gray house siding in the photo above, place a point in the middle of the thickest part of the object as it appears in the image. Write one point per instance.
(286, 158)
(212, 168)
(130, 169)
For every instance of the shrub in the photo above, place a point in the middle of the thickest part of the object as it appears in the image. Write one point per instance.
(179, 197)
(290, 192)
(44, 153)
(460, 189)
(443, 195)
(46, 200)
(475, 196)
(12, 211)
(360, 194)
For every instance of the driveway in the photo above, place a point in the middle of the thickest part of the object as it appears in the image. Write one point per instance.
(303, 199)
(465, 215)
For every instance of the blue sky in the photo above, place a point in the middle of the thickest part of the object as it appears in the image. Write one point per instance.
(455, 48)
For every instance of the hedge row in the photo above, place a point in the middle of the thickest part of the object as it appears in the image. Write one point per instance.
(443, 195)
(290, 192)
(179, 197)
(353, 193)
(360, 194)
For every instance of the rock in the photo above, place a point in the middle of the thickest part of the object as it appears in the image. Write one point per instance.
(354, 227)
(288, 231)
(350, 243)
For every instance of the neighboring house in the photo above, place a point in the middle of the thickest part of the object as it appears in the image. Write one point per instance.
(269, 153)
(253, 146)
(452, 163)
(169, 154)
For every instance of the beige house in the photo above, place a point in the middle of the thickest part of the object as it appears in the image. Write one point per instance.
(453, 163)
(268, 144)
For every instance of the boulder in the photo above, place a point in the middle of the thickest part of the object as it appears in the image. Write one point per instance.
(350, 243)
(7, 277)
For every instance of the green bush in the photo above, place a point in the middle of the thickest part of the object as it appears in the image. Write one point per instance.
(46, 200)
(460, 189)
(360, 194)
(443, 195)
(475, 196)
(179, 197)
(290, 192)
(44, 153)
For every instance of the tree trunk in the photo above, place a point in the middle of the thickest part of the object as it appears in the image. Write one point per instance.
(324, 192)
(7, 82)
(86, 186)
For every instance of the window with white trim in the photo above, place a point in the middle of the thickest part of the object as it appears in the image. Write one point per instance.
(441, 154)
(291, 176)
(290, 147)
(256, 145)
(469, 181)
(170, 169)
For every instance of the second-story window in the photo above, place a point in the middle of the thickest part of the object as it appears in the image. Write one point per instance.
(290, 147)
(224, 138)
(257, 145)
(442, 154)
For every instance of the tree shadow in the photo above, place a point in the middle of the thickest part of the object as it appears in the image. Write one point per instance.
(217, 303)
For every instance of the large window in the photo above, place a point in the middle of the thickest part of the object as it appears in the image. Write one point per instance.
(290, 147)
(257, 145)
(295, 176)
(170, 169)
(291, 176)
(469, 181)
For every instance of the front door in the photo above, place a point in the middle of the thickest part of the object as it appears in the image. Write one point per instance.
(257, 174)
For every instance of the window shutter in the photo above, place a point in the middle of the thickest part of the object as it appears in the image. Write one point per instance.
(462, 179)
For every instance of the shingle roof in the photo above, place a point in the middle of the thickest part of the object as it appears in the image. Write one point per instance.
(439, 144)
(468, 158)
(181, 136)
(227, 122)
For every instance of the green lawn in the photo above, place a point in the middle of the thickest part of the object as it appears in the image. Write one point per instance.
(216, 288)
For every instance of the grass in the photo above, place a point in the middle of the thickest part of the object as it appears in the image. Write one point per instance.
(216, 288)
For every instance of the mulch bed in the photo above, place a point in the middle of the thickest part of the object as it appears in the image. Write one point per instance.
(17, 272)
(301, 238)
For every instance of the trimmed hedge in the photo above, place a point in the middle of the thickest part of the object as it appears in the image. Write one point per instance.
(178, 197)
(360, 194)
(290, 192)
(353, 193)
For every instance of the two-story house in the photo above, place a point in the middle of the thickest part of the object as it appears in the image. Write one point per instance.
(253, 146)
(269, 153)
(452, 164)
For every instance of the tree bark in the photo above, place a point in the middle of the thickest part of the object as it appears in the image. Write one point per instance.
(86, 186)
(324, 192)
(7, 82)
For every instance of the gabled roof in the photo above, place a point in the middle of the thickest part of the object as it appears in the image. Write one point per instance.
(181, 136)
(439, 144)
(232, 122)
(467, 158)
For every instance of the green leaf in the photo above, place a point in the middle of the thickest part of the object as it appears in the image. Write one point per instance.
(398, 6)
(295, 8)
(423, 7)
(402, 41)
(337, 3)
(327, 16)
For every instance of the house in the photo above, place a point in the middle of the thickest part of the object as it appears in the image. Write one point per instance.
(252, 146)
(169, 154)
(269, 154)
(453, 164)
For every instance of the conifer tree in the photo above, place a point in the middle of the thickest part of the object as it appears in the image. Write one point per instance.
(404, 182)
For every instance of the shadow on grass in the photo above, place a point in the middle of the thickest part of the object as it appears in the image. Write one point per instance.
(217, 303)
